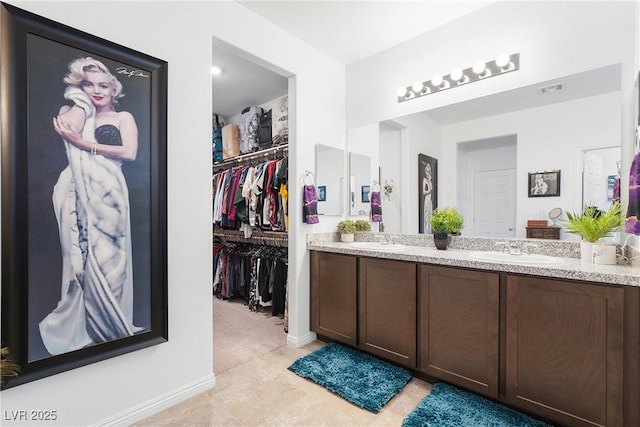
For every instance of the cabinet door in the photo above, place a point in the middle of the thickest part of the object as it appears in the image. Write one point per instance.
(387, 309)
(459, 327)
(564, 350)
(333, 296)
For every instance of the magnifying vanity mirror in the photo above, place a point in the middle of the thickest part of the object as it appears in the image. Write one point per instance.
(492, 143)
(330, 180)
(554, 214)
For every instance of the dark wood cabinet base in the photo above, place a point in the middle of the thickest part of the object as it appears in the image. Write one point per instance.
(561, 350)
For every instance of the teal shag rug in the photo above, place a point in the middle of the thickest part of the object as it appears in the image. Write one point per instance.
(357, 377)
(448, 406)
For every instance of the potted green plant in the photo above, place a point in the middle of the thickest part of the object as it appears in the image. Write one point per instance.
(8, 368)
(592, 225)
(444, 222)
(363, 225)
(346, 228)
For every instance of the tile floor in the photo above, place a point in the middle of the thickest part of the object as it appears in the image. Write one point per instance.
(254, 387)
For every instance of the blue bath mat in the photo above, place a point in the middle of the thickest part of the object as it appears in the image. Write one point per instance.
(357, 377)
(447, 406)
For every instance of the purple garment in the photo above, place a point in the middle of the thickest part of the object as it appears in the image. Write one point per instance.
(309, 205)
(376, 207)
(632, 223)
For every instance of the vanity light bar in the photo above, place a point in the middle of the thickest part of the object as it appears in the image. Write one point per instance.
(503, 64)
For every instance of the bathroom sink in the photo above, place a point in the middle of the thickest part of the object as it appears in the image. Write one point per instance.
(378, 246)
(515, 259)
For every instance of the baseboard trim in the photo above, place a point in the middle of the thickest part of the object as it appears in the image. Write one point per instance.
(300, 341)
(159, 403)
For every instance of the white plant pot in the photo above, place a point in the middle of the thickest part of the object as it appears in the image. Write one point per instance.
(604, 253)
(586, 250)
(346, 237)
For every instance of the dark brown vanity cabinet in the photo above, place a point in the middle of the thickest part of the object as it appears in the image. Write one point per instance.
(334, 296)
(458, 327)
(387, 309)
(564, 350)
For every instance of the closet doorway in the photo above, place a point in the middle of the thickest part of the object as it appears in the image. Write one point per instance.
(250, 273)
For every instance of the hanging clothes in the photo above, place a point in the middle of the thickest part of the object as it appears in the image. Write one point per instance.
(246, 197)
(632, 222)
(256, 274)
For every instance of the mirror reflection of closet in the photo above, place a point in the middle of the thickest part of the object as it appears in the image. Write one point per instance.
(360, 183)
(330, 180)
(599, 174)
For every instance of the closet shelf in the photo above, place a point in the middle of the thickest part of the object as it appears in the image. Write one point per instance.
(273, 152)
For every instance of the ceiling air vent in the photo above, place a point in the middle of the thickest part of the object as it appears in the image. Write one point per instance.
(556, 87)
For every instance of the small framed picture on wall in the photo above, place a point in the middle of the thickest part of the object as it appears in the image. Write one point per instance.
(544, 183)
(322, 193)
(365, 193)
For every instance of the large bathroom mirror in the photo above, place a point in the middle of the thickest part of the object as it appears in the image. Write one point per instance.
(486, 148)
(330, 182)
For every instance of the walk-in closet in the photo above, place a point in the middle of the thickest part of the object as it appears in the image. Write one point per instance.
(250, 150)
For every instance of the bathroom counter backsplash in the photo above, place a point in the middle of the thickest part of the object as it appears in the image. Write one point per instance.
(420, 248)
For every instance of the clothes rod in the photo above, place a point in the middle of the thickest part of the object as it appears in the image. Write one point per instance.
(253, 156)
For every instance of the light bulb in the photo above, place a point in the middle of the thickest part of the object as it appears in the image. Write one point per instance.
(401, 92)
(215, 70)
(456, 75)
(504, 62)
(436, 80)
(479, 67)
(417, 87)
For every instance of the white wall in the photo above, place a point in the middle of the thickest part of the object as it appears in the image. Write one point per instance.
(420, 135)
(363, 141)
(553, 38)
(126, 388)
(391, 170)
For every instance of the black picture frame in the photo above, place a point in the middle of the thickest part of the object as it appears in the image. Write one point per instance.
(427, 191)
(364, 193)
(544, 183)
(322, 193)
(35, 55)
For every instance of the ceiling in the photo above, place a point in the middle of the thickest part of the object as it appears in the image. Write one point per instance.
(352, 30)
(345, 30)
(243, 82)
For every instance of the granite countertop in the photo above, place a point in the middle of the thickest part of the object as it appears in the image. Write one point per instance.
(570, 268)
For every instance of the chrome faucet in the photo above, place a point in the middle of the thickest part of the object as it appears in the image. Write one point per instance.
(388, 239)
(513, 248)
